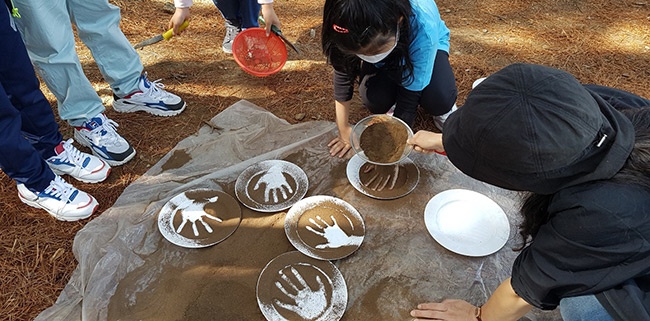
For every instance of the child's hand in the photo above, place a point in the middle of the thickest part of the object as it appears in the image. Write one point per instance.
(270, 18)
(340, 145)
(427, 142)
(180, 15)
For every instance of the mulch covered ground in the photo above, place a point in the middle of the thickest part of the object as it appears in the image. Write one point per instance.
(599, 41)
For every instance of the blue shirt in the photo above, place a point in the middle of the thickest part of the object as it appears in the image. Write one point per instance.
(429, 34)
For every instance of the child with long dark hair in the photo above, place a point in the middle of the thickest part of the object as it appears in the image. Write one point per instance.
(399, 53)
(582, 152)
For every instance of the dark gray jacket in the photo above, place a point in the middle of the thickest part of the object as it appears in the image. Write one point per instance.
(597, 241)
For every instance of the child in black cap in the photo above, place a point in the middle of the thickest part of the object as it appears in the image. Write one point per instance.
(583, 153)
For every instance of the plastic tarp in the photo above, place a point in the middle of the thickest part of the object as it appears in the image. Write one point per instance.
(128, 271)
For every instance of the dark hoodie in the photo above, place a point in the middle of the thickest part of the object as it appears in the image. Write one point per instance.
(534, 128)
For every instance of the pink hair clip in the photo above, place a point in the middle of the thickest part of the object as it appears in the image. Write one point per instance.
(340, 29)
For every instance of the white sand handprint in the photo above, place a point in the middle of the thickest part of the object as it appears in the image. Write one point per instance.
(193, 211)
(275, 183)
(308, 303)
(335, 235)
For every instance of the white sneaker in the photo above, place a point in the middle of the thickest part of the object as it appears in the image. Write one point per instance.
(84, 167)
(231, 32)
(439, 121)
(151, 98)
(61, 200)
(391, 111)
(477, 82)
(100, 135)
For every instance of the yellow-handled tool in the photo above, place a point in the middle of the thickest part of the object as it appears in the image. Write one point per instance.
(165, 36)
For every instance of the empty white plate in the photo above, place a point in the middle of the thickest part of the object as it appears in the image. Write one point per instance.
(467, 222)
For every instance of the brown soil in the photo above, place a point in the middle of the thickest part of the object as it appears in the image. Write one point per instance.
(384, 142)
(382, 178)
(604, 42)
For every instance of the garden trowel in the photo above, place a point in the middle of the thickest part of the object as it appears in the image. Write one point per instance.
(165, 36)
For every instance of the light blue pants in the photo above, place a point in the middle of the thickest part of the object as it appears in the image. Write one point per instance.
(46, 26)
(583, 308)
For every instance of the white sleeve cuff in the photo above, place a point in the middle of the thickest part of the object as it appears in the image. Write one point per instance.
(182, 3)
(264, 1)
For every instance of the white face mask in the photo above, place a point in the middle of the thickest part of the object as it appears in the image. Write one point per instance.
(379, 57)
(375, 58)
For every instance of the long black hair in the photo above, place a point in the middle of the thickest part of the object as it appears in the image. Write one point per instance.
(635, 171)
(352, 25)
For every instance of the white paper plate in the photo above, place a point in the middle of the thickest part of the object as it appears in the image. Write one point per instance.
(352, 172)
(314, 276)
(210, 226)
(467, 222)
(285, 184)
(324, 238)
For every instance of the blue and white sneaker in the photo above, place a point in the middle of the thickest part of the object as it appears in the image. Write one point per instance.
(61, 200)
(151, 98)
(71, 161)
(99, 134)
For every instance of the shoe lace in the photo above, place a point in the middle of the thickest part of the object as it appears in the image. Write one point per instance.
(60, 189)
(231, 33)
(155, 88)
(71, 153)
(106, 132)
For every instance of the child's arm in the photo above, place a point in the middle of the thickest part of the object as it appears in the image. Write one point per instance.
(340, 145)
(268, 13)
(504, 304)
(343, 91)
(181, 14)
(426, 142)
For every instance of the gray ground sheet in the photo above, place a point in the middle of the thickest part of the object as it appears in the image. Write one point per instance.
(128, 271)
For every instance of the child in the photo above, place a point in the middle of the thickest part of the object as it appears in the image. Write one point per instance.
(33, 148)
(399, 52)
(47, 30)
(239, 14)
(582, 154)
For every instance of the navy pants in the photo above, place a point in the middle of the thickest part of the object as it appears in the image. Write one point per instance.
(240, 13)
(379, 90)
(28, 131)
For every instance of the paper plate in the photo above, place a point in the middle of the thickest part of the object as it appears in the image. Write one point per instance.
(374, 188)
(271, 186)
(467, 222)
(324, 227)
(199, 218)
(294, 287)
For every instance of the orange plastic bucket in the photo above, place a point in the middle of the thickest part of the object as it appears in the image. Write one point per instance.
(258, 54)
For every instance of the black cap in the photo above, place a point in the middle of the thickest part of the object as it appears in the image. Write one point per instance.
(534, 128)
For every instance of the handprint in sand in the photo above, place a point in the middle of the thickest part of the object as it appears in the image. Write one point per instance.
(275, 183)
(194, 211)
(306, 302)
(381, 177)
(336, 237)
